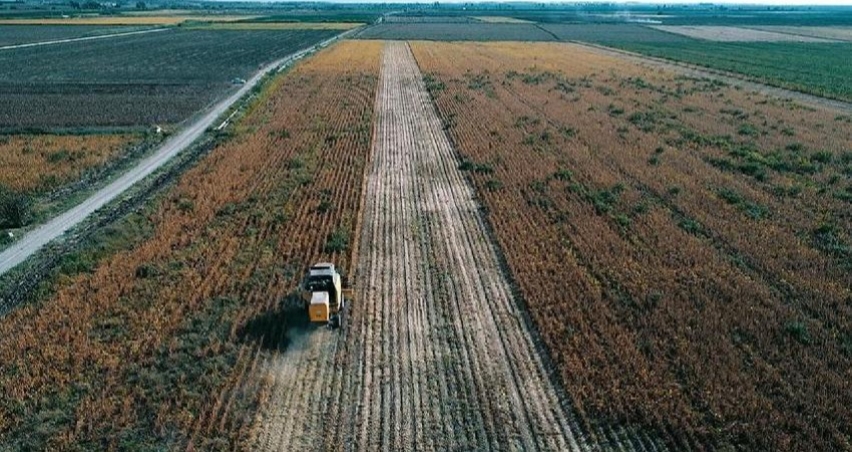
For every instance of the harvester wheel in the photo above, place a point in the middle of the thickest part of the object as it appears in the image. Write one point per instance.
(334, 322)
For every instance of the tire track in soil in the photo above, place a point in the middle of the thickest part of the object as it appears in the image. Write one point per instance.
(435, 354)
(450, 323)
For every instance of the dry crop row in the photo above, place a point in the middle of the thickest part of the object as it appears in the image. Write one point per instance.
(682, 245)
(157, 346)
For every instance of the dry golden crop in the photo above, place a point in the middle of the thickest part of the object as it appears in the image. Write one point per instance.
(682, 245)
(36, 162)
(154, 348)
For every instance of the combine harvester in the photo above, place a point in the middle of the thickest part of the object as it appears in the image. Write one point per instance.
(324, 295)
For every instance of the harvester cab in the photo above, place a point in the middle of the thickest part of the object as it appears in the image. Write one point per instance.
(324, 296)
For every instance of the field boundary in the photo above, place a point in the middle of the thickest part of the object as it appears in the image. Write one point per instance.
(694, 70)
(557, 38)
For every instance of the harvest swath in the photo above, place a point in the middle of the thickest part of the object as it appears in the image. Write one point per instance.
(155, 347)
(683, 246)
(437, 354)
(40, 162)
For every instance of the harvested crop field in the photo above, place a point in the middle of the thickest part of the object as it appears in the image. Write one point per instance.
(34, 163)
(456, 32)
(154, 345)
(141, 80)
(734, 34)
(437, 354)
(674, 238)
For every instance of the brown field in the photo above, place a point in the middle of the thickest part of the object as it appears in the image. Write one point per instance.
(155, 346)
(683, 246)
(124, 20)
(736, 34)
(40, 162)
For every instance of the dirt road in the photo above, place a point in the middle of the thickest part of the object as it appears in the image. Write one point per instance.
(436, 355)
(43, 234)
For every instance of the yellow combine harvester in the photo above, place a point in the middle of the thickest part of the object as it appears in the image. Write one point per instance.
(324, 295)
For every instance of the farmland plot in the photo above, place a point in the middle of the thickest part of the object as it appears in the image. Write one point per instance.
(122, 20)
(611, 33)
(22, 34)
(456, 32)
(156, 346)
(437, 354)
(30, 163)
(832, 33)
(814, 68)
(406, 19)
(674, 238)
(734, 34)
(149, 79)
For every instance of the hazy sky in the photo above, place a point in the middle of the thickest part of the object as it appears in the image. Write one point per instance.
(727, 2)
(764, 2)
(661, 2)
(730, 2)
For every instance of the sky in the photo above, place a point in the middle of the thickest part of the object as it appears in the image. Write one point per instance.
(757, 2)
(726, 2)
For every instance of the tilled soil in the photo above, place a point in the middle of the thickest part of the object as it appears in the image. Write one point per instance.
(436, 353)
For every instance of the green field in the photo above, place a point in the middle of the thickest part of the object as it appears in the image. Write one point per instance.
(815, 68)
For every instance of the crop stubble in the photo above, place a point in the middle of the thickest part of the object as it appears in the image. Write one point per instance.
(663, 264)
(436, 354)
(157, 346)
